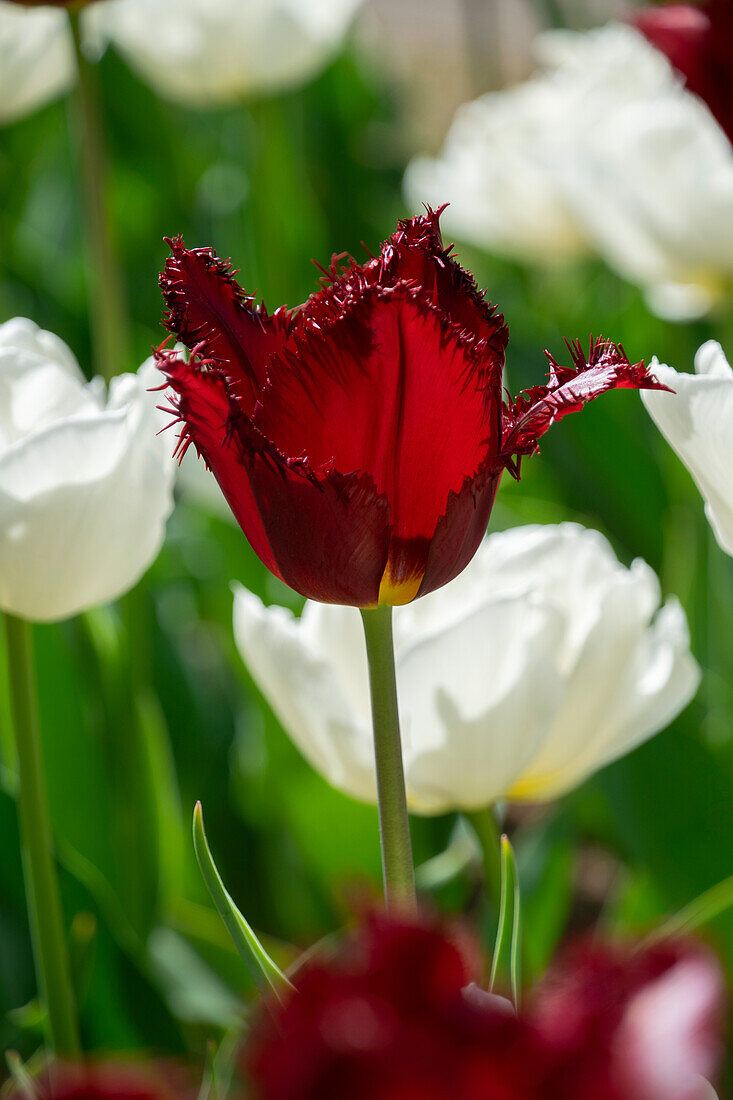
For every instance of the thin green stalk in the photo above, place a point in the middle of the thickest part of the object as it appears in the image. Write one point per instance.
(487, 831)
(394, 825)
(507, 950)
(42, 889)
(107, 305)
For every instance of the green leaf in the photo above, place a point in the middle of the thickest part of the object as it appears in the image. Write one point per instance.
(265, 973)
(507, 950)
(21, 1076)
(703, 909)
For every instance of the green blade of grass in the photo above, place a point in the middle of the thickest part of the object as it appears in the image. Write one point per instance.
(507, 950)
(20, 1076)
(703, 909)
(265, 973)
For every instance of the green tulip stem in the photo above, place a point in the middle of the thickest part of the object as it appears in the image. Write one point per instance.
(107, 306)
(48, 935)
(485, 826)
(394, 825)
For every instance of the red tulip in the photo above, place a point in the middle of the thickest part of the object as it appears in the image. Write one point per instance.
(698, 40)
(627, 1024)
(390, 1018)
(360, 439)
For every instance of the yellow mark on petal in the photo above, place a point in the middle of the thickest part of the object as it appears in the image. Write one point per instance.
(535, 789)
(396, 593)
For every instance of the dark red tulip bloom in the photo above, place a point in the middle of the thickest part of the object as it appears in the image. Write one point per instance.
(388, 1019)
(626, 1024)
(698, 40)
(360, 439)
(391, 1018)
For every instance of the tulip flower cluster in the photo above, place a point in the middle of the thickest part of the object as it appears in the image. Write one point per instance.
(396, 1014)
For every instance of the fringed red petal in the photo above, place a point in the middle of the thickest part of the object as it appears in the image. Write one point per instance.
(209, 311)
(528, 417)
(416, 254)
(324, 533)
(202, 402)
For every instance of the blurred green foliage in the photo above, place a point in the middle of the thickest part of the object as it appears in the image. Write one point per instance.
(273, 184)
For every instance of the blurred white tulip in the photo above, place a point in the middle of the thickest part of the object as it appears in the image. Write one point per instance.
(36, 58)
(495, 174)
(85, 485)
(197, 52)
(205, 52)
(603, 149)
(697, 421)
(544, 660)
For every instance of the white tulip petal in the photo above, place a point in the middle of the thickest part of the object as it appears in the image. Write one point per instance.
(710, 360)
(337, 634)
(472, 723)
(85, 488)
(36, 58)
(694, 419)
(595, 670)
(542, 171)
(208, 52)
(21, 334)
(544, 660)
(660, 680)
(306, 694)
(653, 680)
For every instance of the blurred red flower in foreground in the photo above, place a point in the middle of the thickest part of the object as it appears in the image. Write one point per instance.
(391, 1018)
(360, 438)
(698, 40)
(108, 1081)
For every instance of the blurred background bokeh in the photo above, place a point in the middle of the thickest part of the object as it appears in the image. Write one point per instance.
(273, 182)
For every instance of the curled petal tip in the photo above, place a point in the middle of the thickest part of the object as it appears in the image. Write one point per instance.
(605, 367)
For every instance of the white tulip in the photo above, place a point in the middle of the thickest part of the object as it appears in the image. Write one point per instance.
(603, 148)
(201, 52)
(544, 660)
(85, 485)
(697, 420)
(493, 171)
(36, 58)
(196, 52)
